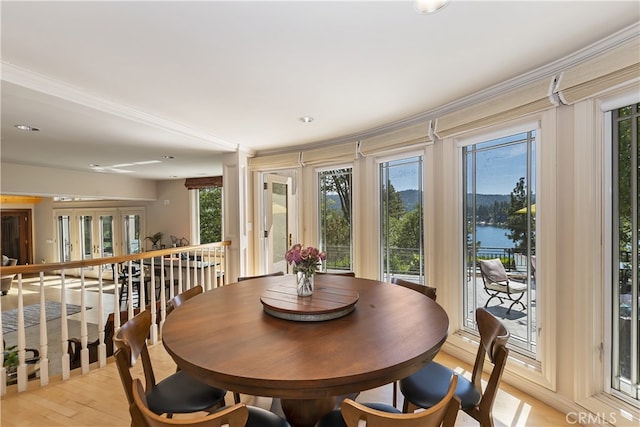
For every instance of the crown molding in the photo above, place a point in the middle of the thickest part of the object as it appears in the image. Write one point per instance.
(37, 82)
(547, 71)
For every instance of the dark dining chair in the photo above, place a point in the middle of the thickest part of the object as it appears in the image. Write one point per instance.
(443, 413)
(180, 299)
(423, 289)
(179, 393)
(337, 273)
(128, 276)
(238, 415)
(277, 273)
(427, 386)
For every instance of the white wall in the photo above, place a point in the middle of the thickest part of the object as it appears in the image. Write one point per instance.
(41, 181)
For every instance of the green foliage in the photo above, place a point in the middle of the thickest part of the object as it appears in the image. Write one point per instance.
(155, 238)
(11, 356)
(517, 222)
(210, 215)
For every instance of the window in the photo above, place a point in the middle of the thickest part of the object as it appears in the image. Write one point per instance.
(335, 218)
(210, 208)
(625, 363)
(499, 206)
(131, 228)
(64, 238)
(401, 219)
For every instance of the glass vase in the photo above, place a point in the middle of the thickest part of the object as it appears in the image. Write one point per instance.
(304, 283)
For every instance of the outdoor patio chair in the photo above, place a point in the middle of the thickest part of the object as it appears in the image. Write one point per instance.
(497, 284)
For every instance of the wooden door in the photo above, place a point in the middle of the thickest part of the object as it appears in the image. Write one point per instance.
(16, 235)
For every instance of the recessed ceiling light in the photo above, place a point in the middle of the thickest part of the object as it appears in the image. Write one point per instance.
(306, 119)
(27, 128)
(426, 7)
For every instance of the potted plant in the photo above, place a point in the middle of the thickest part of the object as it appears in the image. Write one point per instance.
(12, 361)
(155, 239)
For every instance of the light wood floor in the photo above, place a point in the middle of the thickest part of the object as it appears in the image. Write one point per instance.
(97, 399)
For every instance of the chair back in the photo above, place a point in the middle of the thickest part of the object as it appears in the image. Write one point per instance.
(233, 416)
(131, 343)
(338, 273)
(427, 290)
(277, 273)
(492, 270)
(180, 299)
(493, 342)
(442, 413)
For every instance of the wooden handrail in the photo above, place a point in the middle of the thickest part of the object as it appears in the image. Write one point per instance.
(202, 265)
(36, 268)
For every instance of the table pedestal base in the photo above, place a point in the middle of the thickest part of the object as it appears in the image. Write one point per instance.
(306, 412)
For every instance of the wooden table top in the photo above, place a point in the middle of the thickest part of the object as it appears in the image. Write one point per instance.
(225, 338)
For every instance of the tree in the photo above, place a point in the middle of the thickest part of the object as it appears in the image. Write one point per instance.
(517, 222)
(210, 214)
(339, 182)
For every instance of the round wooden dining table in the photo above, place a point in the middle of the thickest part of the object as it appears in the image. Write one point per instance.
(226, 338)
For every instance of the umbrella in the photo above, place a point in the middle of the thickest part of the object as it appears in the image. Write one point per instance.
(524, 210)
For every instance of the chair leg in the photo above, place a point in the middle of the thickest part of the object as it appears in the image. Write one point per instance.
(395, 393)
(516, 301)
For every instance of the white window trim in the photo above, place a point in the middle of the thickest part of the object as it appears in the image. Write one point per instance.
(593, 129)
(390, 157)
(354, 224)
(520, 371)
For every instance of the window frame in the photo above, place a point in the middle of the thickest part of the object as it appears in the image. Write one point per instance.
(606, 107)
(387, 159)
(522, 370)
(592, 128)
(318, 171)
(525, 128)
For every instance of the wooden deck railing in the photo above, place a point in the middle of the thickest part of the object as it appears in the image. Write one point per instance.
(182, 267)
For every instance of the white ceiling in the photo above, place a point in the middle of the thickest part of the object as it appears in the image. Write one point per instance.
(114, 83)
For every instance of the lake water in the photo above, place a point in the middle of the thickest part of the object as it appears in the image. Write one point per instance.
(493, 237)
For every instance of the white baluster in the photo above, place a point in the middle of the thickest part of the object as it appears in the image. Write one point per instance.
(84, 353)
(22, 367)
(116, 299)
(102, 347)
(152, 292)
(64, 330)
(3, 370)
(180, 273)
(44, 337)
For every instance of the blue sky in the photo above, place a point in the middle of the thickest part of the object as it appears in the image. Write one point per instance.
(498, 170)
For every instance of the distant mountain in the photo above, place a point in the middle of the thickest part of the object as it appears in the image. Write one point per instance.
(410, 198)
(490, 199)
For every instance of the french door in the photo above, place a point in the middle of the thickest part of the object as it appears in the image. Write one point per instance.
(278, 228)
(96, 236)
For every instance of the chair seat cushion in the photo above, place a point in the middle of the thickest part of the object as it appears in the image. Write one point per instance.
(181, 393)
(334, 418)
(429, 385)
(259, 417)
